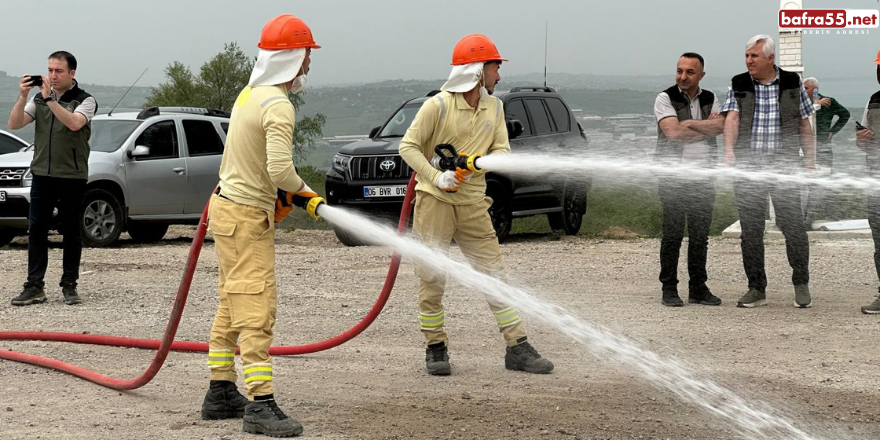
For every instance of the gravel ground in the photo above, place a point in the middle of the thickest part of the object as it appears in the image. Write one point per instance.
(815, 366)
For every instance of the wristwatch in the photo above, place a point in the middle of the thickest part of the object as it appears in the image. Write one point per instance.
(48, 99)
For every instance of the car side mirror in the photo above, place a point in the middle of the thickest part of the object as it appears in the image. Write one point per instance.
(374, 132)
(139, 151)
(514, 128)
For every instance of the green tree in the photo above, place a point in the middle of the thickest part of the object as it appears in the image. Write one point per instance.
(182, 87)
(217, 86)
(223, 76)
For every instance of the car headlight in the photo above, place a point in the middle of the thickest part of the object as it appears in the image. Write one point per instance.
(340, 163)
(28, 179)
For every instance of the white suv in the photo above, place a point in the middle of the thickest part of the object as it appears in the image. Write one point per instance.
(147, 170)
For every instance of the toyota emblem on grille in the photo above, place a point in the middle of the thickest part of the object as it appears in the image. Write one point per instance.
(387, 165)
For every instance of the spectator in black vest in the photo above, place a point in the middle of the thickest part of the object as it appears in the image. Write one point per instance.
(688, 121)
(870, 144)
(767, 125)
(822, 202)
(60, 169)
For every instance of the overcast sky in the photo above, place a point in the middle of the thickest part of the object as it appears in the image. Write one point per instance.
(369, 40)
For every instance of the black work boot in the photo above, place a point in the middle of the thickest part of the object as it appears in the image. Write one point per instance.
(523, 357)
(32, 294)
(671, 299)
(71, 297)
(437, 360)
(702, 295)
(223, 401)
(264, 417)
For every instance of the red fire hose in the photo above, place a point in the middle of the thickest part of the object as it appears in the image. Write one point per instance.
(167, 343)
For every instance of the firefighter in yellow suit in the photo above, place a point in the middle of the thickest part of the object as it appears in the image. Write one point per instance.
(453, 205)
(258, 185)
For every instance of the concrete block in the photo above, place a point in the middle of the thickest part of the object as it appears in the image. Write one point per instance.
(772, 231)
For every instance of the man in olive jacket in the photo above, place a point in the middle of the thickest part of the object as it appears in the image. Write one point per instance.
(62, 113)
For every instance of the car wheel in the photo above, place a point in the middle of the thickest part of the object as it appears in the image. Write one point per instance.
(101, 219)
(574, 206)
(147, 232)
(346, 238)
(500, 211)
(6, 236)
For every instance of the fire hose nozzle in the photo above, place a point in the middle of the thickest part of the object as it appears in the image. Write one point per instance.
(308, 201)
(447, 159)
(312, 206)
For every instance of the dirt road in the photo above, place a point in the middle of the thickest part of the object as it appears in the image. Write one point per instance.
(818, 366)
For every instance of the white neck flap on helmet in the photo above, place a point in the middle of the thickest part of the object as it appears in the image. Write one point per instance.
(278, 67)
(463, 78)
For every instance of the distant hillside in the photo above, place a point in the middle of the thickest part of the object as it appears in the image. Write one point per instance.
(356, 108)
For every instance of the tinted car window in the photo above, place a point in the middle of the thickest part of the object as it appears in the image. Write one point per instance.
(539, 116)
(516, 110)
(9, 145)
(560, 114)
(201, 138)
(161, 138)
(225, 127)
(400, 122)
(109, 135)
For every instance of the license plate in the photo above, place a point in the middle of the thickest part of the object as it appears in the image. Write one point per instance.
(2, 196)
(385, 191)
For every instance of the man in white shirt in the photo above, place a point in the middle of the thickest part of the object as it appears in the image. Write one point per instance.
(688, 121)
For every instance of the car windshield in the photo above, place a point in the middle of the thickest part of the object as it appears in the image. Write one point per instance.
(108, 135)
(397, 125)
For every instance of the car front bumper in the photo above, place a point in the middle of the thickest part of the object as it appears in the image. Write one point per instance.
(14, 211)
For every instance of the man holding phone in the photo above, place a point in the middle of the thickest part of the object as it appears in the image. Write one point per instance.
(62, 113)
(870, 144)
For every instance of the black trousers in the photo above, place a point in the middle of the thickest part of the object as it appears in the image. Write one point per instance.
(48, 193)
(690, 201)
(821, 201)
(752, 204)
(873, 205)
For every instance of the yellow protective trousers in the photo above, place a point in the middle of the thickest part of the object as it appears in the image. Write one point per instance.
(436, 223)
(244, 239)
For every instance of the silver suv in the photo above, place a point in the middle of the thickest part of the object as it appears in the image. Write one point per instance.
(147, 170)
(10, 143)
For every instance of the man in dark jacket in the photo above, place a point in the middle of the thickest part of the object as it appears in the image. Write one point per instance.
(688, 122)
(869, 142)
(62, 113)
(767, 126)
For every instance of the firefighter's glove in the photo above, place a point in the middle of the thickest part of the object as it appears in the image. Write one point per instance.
(306, 198)
(463, 175)
(448, 181)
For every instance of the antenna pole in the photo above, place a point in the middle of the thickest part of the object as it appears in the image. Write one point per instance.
(545, 53)
(126, 92)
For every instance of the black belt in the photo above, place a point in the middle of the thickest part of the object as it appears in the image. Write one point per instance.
(221, 195)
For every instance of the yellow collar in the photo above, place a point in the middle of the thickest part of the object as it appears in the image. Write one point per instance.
(461, 104)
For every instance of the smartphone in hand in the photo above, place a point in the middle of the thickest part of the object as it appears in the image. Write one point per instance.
(860, 127)
(36, 80)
